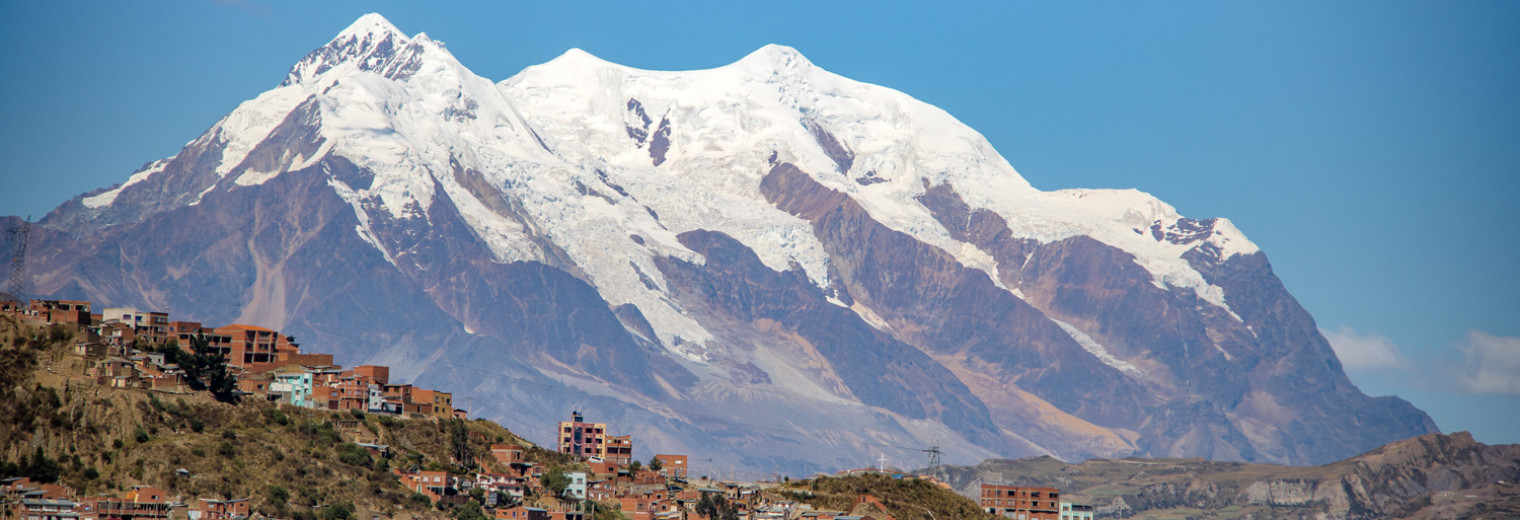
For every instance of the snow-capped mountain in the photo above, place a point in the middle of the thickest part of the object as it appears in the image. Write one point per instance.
(764, 263)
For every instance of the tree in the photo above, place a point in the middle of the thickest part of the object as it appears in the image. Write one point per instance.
(655, 463)
(42, 468)
(555, 481)
(470, 511)
(204, 368)
(338, 511)
(635, 467)
(715, 507)
(459, 444)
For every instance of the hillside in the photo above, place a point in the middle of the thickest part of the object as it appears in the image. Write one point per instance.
(1427, 477)
(872, 494)
(289, 462)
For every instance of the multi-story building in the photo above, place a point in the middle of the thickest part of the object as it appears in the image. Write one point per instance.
(577, 487)
(293, 386)
(1021, 502)
(62, 311)
(441, 403)
(433, 484)
(47, 509)
(141, 503)
(147, 326)
(241, 345)
(246, 344)
(578, 437)
(619, 450)
(1070, 511)
(208, 509)
(672, 465)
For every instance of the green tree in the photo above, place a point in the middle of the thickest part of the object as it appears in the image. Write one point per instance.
(459, 444)
(338, 511)
(42, 468)
(655, 463)
(555, 481)
(470, 511)
(204, 369)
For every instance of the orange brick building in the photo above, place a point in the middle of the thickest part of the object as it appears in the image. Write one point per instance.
(619, 450)
(62, 311)
(672, 465)
(222, 509)
(1021, 502)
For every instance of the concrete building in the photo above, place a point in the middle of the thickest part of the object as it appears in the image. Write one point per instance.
(293, 386)
(1070, 511)
(577, 487)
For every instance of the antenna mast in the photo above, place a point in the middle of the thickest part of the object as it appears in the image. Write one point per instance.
(17, 283)
(934, 454)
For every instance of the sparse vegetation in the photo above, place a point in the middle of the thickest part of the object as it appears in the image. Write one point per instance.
(904, 499)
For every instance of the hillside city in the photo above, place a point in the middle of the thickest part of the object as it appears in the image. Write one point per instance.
(591, 468)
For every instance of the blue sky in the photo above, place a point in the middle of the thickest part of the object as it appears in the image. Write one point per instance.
(1371, 148)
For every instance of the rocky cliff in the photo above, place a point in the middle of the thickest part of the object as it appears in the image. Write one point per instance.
(1430, 476)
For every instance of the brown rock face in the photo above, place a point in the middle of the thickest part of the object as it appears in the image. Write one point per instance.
(1253, 387)
(1430, 476)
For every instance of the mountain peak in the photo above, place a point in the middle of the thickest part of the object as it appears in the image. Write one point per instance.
(775, 58)
(579, 57)
(371, 39)
(369, 24)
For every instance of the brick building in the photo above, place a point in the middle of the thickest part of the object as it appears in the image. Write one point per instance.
(619, 450)
(578, 437)
(672, 465)
(141, 503)
(1021, 502)
(76, 312)
(208, 509)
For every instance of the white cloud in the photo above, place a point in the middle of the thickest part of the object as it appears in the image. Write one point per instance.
(1365, 352)
(1490, 364)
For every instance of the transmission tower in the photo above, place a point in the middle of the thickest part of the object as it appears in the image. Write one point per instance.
(17, 283)
(934, 454)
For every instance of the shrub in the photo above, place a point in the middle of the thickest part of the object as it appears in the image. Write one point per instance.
(278, 495)
(338, 511)
(354, 455)
(420, 501)
(273, 414)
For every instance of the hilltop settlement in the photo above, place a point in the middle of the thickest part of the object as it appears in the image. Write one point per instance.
(303, 437)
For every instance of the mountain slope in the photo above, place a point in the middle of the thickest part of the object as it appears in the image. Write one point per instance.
(762, 258)
(1431, 476)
